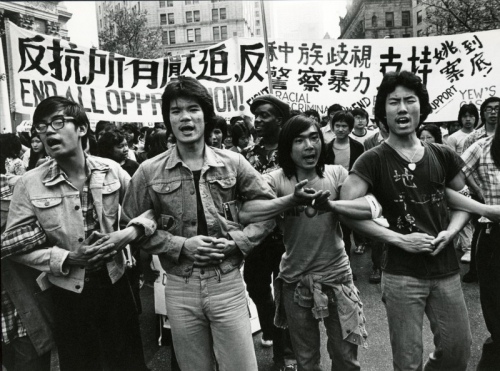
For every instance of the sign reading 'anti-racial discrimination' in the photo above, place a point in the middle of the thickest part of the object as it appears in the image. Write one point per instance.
(457, 69)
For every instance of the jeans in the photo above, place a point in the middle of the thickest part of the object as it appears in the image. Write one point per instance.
(305, 335)
(21, 355)
(261, 267)
(99, 328)
(209, 311)
(488, 269)
(406, 300)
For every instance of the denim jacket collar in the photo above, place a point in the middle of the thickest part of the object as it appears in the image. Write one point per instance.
(210, 158)
(56, 175)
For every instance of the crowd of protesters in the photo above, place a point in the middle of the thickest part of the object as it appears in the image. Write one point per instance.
(270, 201)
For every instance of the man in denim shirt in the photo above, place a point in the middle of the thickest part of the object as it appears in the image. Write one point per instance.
(58, 218)
(200, 246)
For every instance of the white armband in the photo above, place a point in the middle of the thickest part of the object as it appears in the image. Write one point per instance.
(374, 206)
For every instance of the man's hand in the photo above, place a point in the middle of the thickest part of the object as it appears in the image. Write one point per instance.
(202, 251)
(119, 240)
(226, 247)
(304, 196)
(416, 243)
(440, 242)
(322, 203)
(85, 254)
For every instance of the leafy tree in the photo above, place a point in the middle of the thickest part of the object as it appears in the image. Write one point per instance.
(126, 33)
(448, 17)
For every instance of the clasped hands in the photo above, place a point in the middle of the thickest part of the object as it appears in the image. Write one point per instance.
(205, 250)
(311, 197)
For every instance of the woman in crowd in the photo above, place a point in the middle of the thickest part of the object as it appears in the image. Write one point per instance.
(219, 133)
(131, 134)
(430, 133)
(240, 138)
(36, 154)
(113, 145)
(10, 161)
(158, 143)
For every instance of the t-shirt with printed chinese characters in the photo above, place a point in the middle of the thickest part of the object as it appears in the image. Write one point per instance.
(313, 239)
(413, 201)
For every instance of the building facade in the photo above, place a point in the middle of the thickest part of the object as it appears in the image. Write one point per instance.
(192, 25)
(377, 19)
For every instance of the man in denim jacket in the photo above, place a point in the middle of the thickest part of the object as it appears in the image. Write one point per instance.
(62, 221)
(199, 244)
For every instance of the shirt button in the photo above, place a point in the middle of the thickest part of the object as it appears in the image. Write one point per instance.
(168, 188)
(77, 287)
(87, 279)
(47, 203)
(77, 207)
(80, 239)
(192, 192)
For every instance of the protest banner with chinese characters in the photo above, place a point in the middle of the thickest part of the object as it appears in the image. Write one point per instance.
(457, 69)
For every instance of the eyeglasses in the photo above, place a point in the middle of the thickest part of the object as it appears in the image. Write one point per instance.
(57, 123)
(491, 109)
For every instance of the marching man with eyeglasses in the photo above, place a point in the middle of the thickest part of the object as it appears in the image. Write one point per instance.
(62, 221)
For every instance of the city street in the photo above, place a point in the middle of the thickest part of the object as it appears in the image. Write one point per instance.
(378, 355)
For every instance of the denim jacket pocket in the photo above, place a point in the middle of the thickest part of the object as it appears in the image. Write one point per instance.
(222, 191)
(169, 197)
(49, 212)
(111, 198)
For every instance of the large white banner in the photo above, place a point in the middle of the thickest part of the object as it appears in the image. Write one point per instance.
(315, 74)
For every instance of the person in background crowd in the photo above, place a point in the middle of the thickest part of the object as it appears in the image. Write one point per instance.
(421, 271)
(10, 161)
(240, 137)
(103, 126)
(344, 151)
(142, 146)
(160, 126)
(132, 136)
(262, 265)
(325, 121)
(379, 137)
(312, 113)
(327, 129)
(468, 118)
(295, 112)
(200, 247)
(61, 221)
(219, 133)
(482, 161)
(449, 128)
(158, 143)
(489, 112)
(430, 133)
(36, 155)
(113, 145)
(315, 279)
(361, 118)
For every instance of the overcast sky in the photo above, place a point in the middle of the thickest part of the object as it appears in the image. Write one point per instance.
(83, 26)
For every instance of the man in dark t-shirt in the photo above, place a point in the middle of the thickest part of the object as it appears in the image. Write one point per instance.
(420, 269)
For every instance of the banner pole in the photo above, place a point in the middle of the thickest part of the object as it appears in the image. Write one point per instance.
(266, 46)
(5, 121)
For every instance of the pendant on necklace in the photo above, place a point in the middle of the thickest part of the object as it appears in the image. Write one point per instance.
(412, 166)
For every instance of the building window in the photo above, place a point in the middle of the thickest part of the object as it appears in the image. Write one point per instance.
(419, 33)
(223, 32)
(99, 9)
(406, 35)
(197, 35)
(190, 36)
(171, 18)
(256, 13)
(374, 21)
(189, 17)
(419, 17)
(163, 19)
(171, 36)
(390, 36)
(162, 4)
(389, 19)
(222, 13)
(100, 21)
(257, 23)
(188, 2)
(196, 15)
(257, 31)
(215, 15)
(216, 33)
(164, 37)
(196, 1)
(405, 19)
(256, 5)
(170, 4)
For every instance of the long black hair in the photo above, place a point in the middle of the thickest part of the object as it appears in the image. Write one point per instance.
(34, 157)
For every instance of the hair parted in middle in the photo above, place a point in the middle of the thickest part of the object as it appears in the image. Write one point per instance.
(471, 109)
(408, 80)
(188, 88)
(291, 130)
(345, 116)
